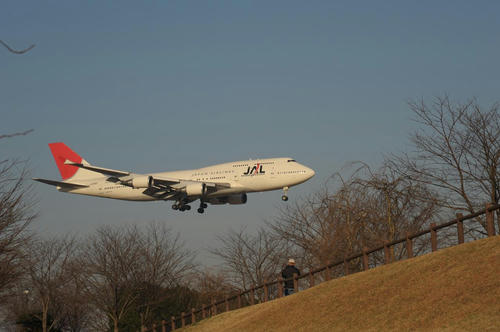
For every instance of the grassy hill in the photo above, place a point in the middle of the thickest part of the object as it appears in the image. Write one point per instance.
(455, 289)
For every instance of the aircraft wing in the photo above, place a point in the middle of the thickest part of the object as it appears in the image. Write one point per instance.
(174, 188)
(68, 185)
(160, 187)
(171, 181)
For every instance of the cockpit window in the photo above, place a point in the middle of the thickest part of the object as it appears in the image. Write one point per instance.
(291, 161)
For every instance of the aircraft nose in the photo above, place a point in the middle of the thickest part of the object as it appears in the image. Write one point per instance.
(310, 172)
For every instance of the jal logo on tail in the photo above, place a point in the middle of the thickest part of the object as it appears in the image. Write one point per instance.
(256, 169)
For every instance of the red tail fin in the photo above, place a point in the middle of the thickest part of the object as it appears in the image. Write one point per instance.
(61, 153)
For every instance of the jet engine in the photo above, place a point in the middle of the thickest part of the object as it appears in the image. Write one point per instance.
(231, 199)
(142, 181)
(237, 199)
(195, 189)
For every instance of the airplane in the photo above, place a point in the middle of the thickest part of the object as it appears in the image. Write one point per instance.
(226, 183)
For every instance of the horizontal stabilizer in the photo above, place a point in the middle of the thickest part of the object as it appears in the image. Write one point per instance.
(68, 185)
(105, 171)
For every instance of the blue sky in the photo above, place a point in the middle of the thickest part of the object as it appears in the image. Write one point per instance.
(154, 86)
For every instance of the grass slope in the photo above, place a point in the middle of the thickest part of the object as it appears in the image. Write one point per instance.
(454, 289)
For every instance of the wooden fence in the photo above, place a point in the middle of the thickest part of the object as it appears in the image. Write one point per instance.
(274, 289)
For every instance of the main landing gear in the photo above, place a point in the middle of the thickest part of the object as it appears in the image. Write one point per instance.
(284, 198)
(181, 207)
(202, 207)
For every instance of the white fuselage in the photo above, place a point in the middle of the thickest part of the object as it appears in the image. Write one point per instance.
(242, 177)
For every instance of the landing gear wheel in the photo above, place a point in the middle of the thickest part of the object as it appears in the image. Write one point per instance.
(204, 205)
(188, 207)
(284, 198)
(201, 210)
(182, 208)
(175, 207)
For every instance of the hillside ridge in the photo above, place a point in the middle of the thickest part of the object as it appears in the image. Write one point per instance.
(453, 289)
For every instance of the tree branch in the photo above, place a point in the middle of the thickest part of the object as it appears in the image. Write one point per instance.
(16, 51)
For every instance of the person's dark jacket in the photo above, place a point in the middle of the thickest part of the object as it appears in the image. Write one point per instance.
(288, 272)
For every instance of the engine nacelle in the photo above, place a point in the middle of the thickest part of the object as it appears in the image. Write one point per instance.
(195, 189)
(231, 199)
(237, 199)
(142, 181)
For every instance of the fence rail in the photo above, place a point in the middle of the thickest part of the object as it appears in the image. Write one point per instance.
(236, 301)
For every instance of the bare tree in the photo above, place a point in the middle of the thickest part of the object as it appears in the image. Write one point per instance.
(16, 214)
(366, 210)
(111, 258)
(250, 259)
(326, 226)
(75, 313)
(129, 270)
(164, 262)
(46, 265)
(398, 205)
(457, 153)
(212, 283)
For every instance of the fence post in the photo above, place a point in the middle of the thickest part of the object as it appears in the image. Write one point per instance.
(311, 279)
(226, 302)
(498, 220)
(328, 276)
(266, 291)
(433, 237)
(239, 300)
(489, 220)
(154, 327)
(163, 326)
(214, 307)
(460, 228)
(295, 283)
(172, 322)
(386, 254)
(409, 245)
(193, 316)
(346, 267)
(252, 295)
(365, 259)
(280, 287)
(183, 319)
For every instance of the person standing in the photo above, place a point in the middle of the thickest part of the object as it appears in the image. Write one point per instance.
(288, 273)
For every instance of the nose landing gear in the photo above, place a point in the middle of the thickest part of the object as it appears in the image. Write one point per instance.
(284, 198)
